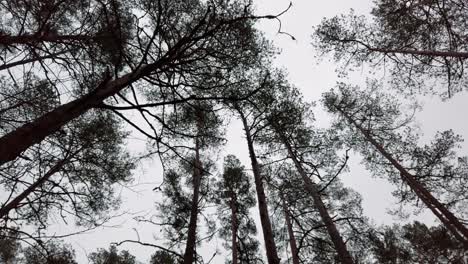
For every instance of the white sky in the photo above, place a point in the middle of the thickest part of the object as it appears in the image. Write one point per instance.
(313, 78)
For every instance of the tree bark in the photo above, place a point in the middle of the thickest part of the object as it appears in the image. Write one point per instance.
(292, 238)
(271, 251)
(189, 255)
(446, 217)
(18, 199)
(311, 187)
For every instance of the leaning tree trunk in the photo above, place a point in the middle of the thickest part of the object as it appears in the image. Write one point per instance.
(234, 227)
(18, 199)
(271, 252)
(292, 238)
(189, 255)
(446, 217)
(20, 139)
(311, 187)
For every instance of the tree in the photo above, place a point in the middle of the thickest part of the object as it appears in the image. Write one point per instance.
(111, 256)
(50, 252)
(424, 42)
(75, 173)
(286, 116)
(415, 243)
(162, 257)
(374, 119)
(9, 246)
(208, 40)
(270, 246)
(234, 198)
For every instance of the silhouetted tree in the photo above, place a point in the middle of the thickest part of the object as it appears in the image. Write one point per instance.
(378, 129)
(424, 42)
(234, 197)
(111, 256)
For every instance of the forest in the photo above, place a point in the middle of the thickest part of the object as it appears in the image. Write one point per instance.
(186, 102)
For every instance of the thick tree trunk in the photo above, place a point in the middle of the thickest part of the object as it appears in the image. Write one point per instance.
(292, 238)
(18, 199)
(446, 217)
(189, 255)
(17, 141)
(271, 251)
(234, 229)
(311, 187)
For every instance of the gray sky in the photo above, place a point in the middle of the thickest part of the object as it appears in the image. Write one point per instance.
(313, 78)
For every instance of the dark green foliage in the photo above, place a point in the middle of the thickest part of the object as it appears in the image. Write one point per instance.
(422, 44)
(415, 243)
(111, 256)
(51, 252)
(435, 165)
(162, 257)
(234, 197)
(9, 246)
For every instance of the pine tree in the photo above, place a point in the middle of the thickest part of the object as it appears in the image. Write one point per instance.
(234, 197)
(374, 120)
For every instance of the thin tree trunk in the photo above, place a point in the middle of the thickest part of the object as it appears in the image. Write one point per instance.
(432, 53)
(18, 199)
(311, 187)
(30, 39)
(26, 61)
(234, 229)
(271, 251)
(189, 255)
(445, 216)
(292, 238)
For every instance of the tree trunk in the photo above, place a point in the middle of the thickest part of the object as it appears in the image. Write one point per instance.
(446, 217)
(30, 39)
(25, 61)
(234, 229)
(292, 239)
(18, 199)
(189, 255)
(271, 252)
(432, 53)
(17, 141)
(311, 187)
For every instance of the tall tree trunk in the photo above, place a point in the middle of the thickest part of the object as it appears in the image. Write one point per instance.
(189, 255)
(234, 227)
(446, 217)
(17, 141)
(311, 187)
(18, 199)
(271, 251)
(292, 238)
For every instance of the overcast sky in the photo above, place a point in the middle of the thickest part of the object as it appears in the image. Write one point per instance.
(313, 78)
